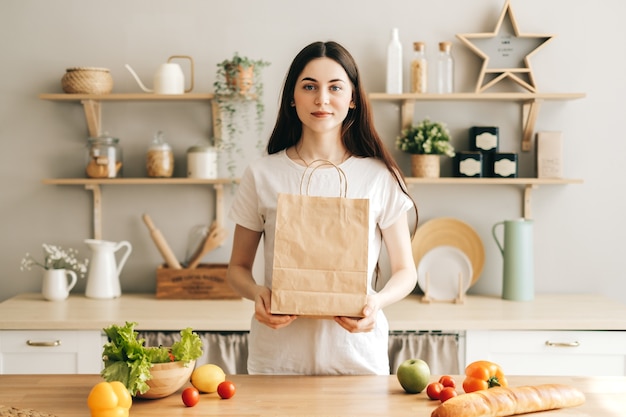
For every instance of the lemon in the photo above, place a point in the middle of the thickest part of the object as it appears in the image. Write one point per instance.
(207, 377)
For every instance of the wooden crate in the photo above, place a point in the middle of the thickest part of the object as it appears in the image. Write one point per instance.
(207, 281)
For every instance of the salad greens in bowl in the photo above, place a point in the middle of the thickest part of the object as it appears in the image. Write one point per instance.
(128, 360)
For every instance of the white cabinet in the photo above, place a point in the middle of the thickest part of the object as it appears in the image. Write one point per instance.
(51, 351)
(550, 352)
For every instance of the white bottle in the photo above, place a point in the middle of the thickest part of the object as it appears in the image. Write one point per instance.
(445, 69)
(394, 64)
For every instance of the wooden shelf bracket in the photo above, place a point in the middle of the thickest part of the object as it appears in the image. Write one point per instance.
(530, 111)
(93, 114)
(97, 210)
(527, 203)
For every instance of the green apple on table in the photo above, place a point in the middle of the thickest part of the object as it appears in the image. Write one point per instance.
(413, 375)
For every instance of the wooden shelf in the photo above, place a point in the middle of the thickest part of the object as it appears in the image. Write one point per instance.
(531, 102)
(92, 104)
(528, 183)
(94, 185)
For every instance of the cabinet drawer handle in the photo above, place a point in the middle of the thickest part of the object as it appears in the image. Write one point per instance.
(43, 344)
(562, 344)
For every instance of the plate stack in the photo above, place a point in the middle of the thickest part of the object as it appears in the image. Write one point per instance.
(449, 256)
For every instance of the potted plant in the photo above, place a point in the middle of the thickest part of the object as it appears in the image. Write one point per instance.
(425, 141)
(238, 82)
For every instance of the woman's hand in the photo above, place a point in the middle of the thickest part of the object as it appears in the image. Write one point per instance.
(367, 322)
(262, 303)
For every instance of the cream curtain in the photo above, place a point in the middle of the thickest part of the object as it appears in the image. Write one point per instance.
(229, 350)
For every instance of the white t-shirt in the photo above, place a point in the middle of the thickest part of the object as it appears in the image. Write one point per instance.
(317, 346)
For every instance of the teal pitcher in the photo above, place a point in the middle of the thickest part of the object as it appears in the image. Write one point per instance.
(518, 281)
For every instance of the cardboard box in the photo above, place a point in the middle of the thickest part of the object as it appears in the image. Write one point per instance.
(207, 281)
(549, 155)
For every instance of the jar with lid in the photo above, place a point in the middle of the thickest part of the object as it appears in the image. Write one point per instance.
(159, 158)
(104, 157)
(202, 161)
(419, 69)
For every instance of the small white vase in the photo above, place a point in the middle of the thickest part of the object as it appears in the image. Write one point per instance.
(56, 286)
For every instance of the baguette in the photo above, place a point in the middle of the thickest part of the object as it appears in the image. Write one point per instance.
(500, 401)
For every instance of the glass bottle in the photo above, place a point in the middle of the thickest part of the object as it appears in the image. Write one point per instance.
(394, 64)
(159, 158)
(104, 157)
(445, 69)
(419, 69)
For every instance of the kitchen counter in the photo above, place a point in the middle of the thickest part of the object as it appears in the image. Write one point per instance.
(546, 312)
(345, 396)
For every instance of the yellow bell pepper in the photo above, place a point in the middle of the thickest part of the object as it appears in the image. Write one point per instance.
(109, 399)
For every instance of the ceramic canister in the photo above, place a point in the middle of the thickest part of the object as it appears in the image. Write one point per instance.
(202, 162)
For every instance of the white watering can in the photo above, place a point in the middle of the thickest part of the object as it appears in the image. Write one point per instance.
(103, 279)
(169, 78)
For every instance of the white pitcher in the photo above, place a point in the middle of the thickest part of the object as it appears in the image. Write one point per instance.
(56, 286)
(103, 279)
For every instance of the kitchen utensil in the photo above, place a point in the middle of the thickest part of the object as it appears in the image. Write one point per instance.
(169, 78)
(440, 270)
(517, 252)
(215, 237)
(448, 231)
(161, 244)
(167, 378)
(103, 278)
(196, 238)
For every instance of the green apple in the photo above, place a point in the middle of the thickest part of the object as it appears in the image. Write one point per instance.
(413, 375)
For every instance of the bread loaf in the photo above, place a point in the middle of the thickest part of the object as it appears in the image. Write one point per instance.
(500, 402)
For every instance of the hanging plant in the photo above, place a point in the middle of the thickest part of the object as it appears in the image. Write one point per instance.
(238, 83)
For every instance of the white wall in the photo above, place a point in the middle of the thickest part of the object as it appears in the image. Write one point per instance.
(578, 228)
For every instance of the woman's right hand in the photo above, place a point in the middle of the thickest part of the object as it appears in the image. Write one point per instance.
(262, 304)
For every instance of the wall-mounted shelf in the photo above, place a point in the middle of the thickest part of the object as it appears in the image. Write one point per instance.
(94, 186)
(92, 104)
(528, 183)
(531, 102)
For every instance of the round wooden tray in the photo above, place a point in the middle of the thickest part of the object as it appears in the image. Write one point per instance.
(448, 231)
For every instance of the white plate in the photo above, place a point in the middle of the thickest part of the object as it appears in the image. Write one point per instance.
(443, 264)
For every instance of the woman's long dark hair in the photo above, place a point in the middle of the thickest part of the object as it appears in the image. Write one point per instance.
(358, 133)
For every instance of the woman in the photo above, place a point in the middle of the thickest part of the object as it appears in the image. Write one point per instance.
(324, 115)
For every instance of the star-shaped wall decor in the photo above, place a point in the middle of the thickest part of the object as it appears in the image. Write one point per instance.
(506, 52)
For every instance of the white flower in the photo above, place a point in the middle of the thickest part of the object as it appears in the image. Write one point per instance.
(55, 257)
(426, 138)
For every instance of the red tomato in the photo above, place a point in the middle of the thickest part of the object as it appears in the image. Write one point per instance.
(190, 396)
(226, 389)
(446, 394)
(447, 381)
(433, 390)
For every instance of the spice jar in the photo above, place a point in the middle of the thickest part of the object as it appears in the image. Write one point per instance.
(202, 161)
(104, 157)
(159, 158)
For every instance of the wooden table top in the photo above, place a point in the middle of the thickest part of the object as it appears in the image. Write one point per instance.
(260, 396)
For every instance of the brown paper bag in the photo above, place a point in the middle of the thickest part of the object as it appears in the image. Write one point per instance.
(320, 254)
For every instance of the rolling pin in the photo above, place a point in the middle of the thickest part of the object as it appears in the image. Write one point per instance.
(161, 244)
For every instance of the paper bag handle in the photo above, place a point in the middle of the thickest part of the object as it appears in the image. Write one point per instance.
(343, 182)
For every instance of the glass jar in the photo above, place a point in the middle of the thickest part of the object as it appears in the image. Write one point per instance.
(202, 161)
(159, 158)
(104, 157)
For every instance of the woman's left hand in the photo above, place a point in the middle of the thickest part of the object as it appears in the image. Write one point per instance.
(365, 323)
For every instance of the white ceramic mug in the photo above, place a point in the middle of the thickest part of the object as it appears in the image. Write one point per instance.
(55, 284)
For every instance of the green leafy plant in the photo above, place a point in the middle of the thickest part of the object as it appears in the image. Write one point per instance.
(426, 138)
(127, 360)
(234, 94)
(55, 257)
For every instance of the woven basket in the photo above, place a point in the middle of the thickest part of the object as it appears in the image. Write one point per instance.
(87, 80)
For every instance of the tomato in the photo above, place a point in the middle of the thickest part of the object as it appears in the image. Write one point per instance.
(190, 396)
(447, 381)
(226, 389)
(447, 393)
(433, 390)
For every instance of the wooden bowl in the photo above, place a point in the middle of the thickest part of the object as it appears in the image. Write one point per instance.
(167, 378)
